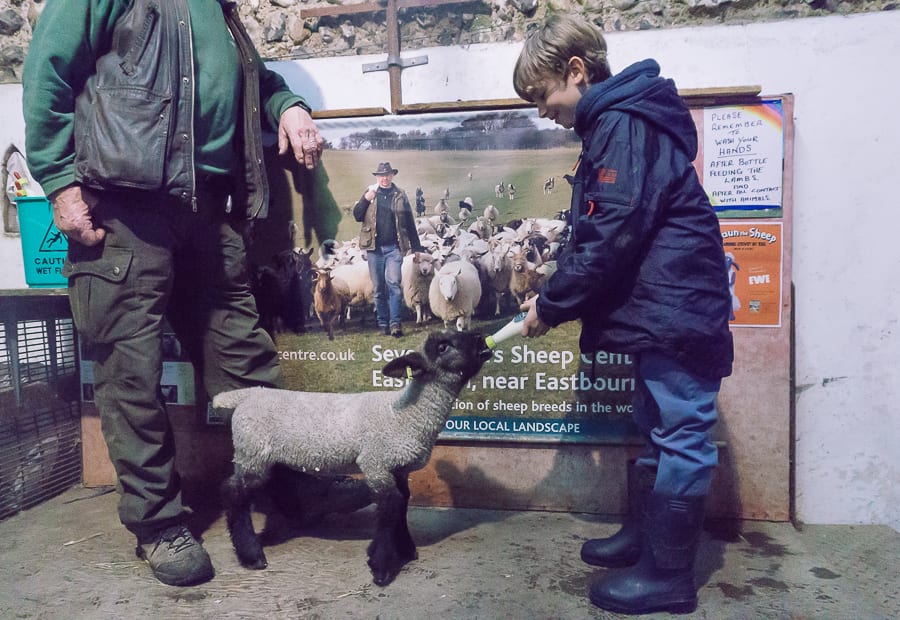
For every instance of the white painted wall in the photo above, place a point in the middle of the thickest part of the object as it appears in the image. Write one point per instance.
(842, 71)
(12, 131)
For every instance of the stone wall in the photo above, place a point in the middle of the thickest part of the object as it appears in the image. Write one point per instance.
(281, 30)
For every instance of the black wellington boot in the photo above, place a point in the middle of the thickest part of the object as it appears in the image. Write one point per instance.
(624, 547)
(663, 578)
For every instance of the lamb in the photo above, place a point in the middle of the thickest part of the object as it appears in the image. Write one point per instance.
(491, 214)
(495, 267)
(359, 282)
(329, 299)
(416, 274)
(283, 291)
(551, 229)
(525, 280)
(441, 222)
(455, 292)
(482, 227)
(465, 209)
(268, 291)
(424, 226)
(548, 185)
(327, 254)
(384, 435)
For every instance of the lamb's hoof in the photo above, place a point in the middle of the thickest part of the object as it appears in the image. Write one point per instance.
(381, 578)
(255, 563)
(384, 572)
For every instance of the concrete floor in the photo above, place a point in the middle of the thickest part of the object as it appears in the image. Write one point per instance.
(70, 558)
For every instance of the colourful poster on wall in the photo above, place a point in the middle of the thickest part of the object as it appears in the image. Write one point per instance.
(743, 157)
(753, 254)
(461, 171)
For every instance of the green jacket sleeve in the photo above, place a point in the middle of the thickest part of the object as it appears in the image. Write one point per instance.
(276, 97)
(67, 40)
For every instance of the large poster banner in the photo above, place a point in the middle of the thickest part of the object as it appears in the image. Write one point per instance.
(486, 187)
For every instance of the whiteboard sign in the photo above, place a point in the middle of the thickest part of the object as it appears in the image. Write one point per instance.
(743, 148)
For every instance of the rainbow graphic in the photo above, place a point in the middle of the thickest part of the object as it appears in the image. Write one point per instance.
(770, 111)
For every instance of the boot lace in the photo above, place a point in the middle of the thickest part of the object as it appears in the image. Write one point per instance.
(177, 538)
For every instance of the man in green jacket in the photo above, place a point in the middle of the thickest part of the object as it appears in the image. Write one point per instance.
(143, 125)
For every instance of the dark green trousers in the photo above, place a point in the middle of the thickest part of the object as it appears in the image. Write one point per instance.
(161, 260)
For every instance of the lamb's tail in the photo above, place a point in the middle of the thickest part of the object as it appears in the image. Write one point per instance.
(233, 398)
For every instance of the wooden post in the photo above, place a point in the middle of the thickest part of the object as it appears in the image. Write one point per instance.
(393, 44)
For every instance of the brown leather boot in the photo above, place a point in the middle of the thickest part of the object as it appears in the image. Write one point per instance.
(176, 557)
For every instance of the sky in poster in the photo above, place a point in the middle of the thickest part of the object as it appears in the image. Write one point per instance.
(335, 129)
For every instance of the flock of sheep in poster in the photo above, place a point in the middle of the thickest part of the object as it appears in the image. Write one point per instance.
(476, 265)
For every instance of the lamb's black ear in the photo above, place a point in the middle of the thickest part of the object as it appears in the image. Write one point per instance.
(410, 365)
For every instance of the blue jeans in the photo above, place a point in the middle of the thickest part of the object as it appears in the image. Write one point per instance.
(675, 411)
(384, 268)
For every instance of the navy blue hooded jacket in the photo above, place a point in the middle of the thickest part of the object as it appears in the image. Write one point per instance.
(645, 269)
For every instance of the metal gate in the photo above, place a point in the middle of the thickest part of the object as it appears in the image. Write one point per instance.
(40, 430)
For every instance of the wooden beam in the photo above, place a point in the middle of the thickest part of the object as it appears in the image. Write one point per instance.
(458, 106)
(694, 97)
(372, 7)
(349, 113)
(725, 94)
(721, 91)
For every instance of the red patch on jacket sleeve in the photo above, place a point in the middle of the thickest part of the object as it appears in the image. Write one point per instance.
(607, 175)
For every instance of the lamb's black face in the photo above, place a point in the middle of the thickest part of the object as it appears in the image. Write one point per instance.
(460, 352)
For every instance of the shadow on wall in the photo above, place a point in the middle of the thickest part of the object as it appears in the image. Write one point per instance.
(594, 483)
(302, 210)
(299, 199)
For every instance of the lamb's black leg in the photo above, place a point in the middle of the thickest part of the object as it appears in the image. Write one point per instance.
(385, 559)
(237, 494)
(406, 546)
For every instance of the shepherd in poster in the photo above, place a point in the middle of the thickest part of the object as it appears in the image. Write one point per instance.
(388, 234)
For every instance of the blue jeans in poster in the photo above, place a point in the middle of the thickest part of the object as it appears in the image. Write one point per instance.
(675, 411)
(384, 268)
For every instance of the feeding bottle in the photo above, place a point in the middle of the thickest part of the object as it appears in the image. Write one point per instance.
(513, 328)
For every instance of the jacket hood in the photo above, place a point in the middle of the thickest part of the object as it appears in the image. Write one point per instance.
(639, 91)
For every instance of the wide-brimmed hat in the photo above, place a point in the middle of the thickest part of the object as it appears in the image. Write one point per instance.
(385, 168)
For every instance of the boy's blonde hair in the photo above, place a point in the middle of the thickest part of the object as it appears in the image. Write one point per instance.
(548, 48)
